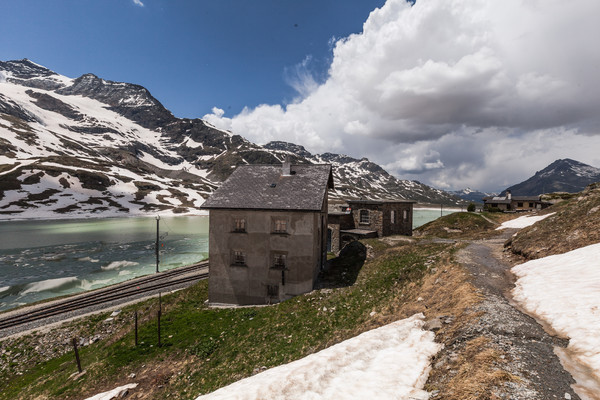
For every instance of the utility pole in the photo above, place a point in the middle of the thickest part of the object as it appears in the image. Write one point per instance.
(157, 233)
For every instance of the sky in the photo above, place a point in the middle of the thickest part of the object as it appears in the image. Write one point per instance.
(452, 93)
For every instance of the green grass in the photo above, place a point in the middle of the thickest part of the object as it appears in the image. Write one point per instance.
(458, 225)
(204, 349)
(579, 222)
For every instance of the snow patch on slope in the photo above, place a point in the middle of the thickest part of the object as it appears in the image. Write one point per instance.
(523, 222)
(391, 362)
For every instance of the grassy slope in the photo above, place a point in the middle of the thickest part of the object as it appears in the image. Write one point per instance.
(575, 224)
(204, 349)
(461, 225)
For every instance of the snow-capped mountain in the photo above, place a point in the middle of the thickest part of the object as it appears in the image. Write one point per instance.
(564, 175)
(362, 178)
(91, 146)
(471, 195)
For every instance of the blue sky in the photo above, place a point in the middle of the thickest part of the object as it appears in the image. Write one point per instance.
(191, 55)
(452, 93)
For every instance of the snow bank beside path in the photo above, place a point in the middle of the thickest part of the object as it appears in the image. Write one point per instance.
(523, 222)
(113, 394)
(564, 290)
(391, 362)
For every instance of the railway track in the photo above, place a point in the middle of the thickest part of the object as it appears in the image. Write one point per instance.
(147, 284)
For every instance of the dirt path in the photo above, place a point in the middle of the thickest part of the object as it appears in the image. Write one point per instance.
(529, 349)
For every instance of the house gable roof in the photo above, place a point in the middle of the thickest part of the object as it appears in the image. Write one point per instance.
(526, 198)
(496, 200)
(265, 187)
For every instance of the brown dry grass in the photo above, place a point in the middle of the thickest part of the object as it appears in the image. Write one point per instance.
(477, 371)
(579, 222)
(464, 371)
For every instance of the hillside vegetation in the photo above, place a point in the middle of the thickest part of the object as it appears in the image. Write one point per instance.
(576, 224)
(461, 225)
(371, 284)
(204, 349)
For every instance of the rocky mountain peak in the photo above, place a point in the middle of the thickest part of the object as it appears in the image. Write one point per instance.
(111, 93)
(25, 69)
(130, 100)
(289, 147)
(563, 175)
(568, 165)
(27, 73)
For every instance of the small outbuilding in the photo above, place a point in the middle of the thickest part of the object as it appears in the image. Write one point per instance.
(362, 219)
(268, 232)
(514, 203)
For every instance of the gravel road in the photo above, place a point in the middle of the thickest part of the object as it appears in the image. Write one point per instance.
(529, 347)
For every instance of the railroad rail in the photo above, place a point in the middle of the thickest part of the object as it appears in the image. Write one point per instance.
(121, 291)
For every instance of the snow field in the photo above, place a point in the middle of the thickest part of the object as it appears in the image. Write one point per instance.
(123, 194)
(52, 125)
(564, 291)
(523, 222)
(390, 362)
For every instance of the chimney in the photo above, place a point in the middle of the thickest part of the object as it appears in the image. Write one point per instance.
(286, 169)
(508, 195)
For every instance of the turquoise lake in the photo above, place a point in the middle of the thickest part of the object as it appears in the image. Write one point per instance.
(44, 259)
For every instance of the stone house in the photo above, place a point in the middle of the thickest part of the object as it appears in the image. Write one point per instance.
(514, 203)
(267, 233)
(362, 219)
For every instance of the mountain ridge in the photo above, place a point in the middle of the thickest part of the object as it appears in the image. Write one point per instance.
(472, 195)
(562, 175)
(89, 146)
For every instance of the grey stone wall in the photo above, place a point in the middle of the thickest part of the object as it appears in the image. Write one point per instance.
(380, 217)
(335, 223)
(248, 284)
(399, 225)
(375, 218)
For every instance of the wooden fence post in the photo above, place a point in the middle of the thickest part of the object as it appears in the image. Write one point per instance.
(136, 328)
(77, 355)
(159, 312)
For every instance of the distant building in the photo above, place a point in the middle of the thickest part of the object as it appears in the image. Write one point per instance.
(363, 219)
(514, 203)
(267, 233)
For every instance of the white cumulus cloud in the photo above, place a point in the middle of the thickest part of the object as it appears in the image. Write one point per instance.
(450, 92)
(138, 3)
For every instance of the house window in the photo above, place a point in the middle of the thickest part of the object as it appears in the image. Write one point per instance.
(238, 258)
(392, 217)
(519, 204)
(279, 263)
(280, 225)
(239, 224)
(279, 260)
(364, 217)
(272, 290)
(530, 205)
(405, 215)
